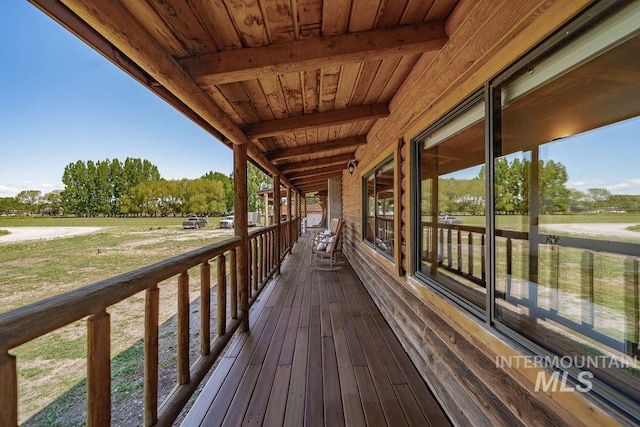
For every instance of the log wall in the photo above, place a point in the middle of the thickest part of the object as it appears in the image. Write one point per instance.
(456, 352)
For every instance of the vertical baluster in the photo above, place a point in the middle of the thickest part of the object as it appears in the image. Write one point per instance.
(470, 255)
(441, 245)
(233, 286)
(554, 279)
(99, 369)
(509, 266)
(8, 390)
(254, 266)
(183, 328)
(222, 295)
(449, 249)
(249, 269)
(587, 289)
(260, 259)
(631, 308)
(151, 315)
(205, 308)
(483, 267)
(459, 249)
(270, 250)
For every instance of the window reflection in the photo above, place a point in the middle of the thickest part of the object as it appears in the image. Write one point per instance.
(567, 211)
(379, 208)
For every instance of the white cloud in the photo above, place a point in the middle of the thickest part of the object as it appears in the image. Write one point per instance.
(8, 191)
(13, 190)
(576, 183)
(598, 181)
(50, 187)
(632, 184)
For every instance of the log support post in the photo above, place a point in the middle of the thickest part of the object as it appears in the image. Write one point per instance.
(290, 218)
(277, 218)
(241, 230)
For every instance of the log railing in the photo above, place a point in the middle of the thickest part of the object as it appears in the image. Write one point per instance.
(461, 251)
(93, 301)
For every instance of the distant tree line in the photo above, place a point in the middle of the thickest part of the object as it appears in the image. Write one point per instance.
(135, 187)
(467, 196)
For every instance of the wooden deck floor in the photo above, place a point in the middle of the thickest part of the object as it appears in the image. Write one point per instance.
(319, 353)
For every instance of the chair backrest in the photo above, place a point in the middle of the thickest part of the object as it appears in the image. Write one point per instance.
(337, 237)
(333, 226)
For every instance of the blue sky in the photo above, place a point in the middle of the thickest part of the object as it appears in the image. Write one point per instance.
(61, 102)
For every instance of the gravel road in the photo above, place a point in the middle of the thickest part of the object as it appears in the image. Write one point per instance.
(602, 230)
(20, 234)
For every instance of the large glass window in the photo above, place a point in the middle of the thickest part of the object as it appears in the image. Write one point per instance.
(567, 201)
(379, 207)
(452, 205)
(548, 232)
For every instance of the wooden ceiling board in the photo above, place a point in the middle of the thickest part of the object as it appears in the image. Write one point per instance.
(381, 80)
(347, 82)
(309, 18)
(275, 96)
(225, 106)
(280, 20)
(442, 71)
(441, 9)
(402, 70)
(311, 94)
(416, 11)
(335, 16)
(390, 13)
(236, 95)
(365, 80)
(156, 26)
(215, 16)
(248, 21)
(185, 23)
(363, 14)
(292, 89)
(329, 80)
(258, 99)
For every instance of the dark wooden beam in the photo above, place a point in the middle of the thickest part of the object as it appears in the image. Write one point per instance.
(312, 164)
(314, 188)
(316, 172)
(315, 120)
(304, 150)
(315, 179)
(315, 53)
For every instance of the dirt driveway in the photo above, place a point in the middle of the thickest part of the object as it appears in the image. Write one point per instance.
(594, 230)
(20, 234)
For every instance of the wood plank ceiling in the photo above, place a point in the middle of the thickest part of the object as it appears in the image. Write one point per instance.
(300, 81)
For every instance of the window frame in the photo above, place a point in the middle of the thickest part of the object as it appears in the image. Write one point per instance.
(386, 157)
(580, 28)
(416, 215)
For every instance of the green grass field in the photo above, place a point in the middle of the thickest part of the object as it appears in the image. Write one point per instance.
(54, 365)
(133, 222)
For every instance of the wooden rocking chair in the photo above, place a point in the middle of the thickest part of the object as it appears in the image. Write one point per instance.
(324, 252)
(318, 237)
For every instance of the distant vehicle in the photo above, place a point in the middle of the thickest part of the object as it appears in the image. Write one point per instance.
(449, 219)
(195, 222)
(227, 222)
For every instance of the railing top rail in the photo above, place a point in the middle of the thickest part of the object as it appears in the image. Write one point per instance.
(33, 320)
(263, 230)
